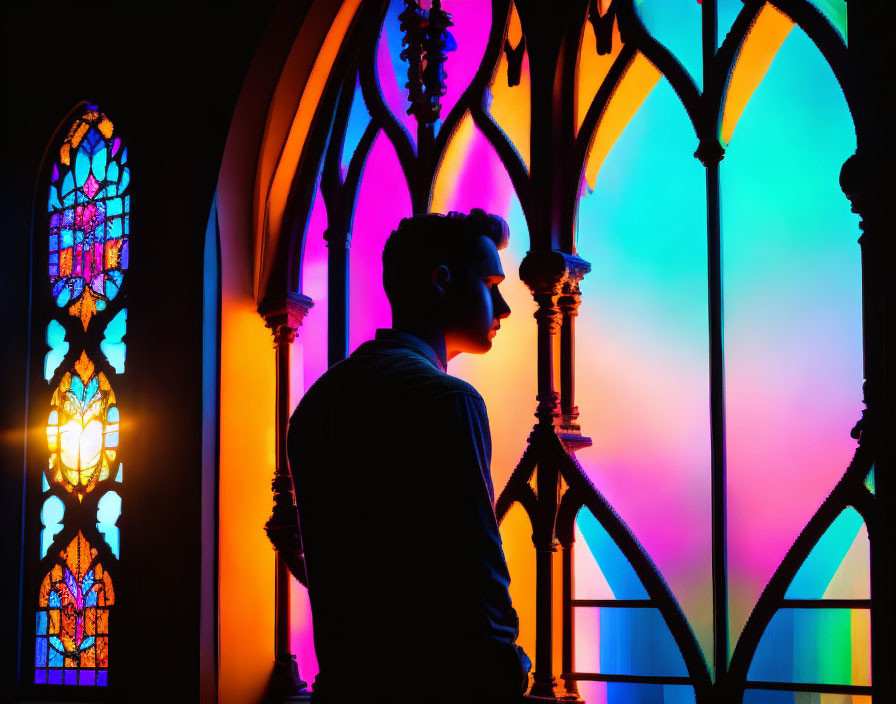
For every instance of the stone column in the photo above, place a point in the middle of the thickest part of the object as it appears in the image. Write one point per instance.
(284, 317)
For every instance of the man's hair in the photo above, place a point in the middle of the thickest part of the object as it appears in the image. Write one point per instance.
(423, 242)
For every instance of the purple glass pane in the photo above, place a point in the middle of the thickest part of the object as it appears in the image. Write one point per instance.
(101, 677)
(40, 677)
(71, 677)
(88, 677)
(55, 677)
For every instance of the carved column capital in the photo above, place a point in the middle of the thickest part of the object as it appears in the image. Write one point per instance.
(545, 271)
(858, 184)
(710, 151)
(284, 316)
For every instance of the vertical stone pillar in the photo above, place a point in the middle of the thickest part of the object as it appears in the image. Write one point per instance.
(545, 273)
(284, 317)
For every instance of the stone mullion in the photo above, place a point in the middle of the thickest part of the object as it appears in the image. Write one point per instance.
(284, 318)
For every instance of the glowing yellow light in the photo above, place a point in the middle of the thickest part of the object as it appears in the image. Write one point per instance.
(77, 429)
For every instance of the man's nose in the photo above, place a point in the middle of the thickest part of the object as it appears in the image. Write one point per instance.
(502, 310)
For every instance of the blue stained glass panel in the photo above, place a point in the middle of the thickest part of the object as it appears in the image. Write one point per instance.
(71, 676)
(108, 510)
(627, 693)
(124, 156)
(45, 485)
(619, 573)
(125, 179)
(677, 25)
(112, 345)
(55, 654)
(819, 569)
(88, 677)
(41, 631)
(358, 119)
(102, 675)
(58, 348)
(82, 165)
(633, 641)
(40, 676)
(51, 516)
(113, 207)
(55, 675)
(99, 164)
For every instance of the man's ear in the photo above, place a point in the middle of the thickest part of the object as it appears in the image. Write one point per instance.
(441, 279)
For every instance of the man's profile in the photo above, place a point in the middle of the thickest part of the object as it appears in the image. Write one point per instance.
(390, 461)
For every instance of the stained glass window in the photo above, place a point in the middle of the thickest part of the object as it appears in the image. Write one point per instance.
(88, 211)
(670, 602)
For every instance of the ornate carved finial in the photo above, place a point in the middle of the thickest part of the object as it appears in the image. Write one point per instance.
(710, 151)
(284, 316)
(515, 60)
(856, 184)
(603, 25)
(427, 41)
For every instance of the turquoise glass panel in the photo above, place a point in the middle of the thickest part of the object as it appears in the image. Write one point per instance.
(112, 345)
(815, 577)
(630, 642)
(383, 201)
(727, 11)
(98, 164)
(358, 119)
(44, 484)
(824, 646)
(51, 516)
(677, 25)
(82, 164)
(626, 693)
(617, 571)
(108, 511)
(793, 304)
(835, 13)
(642, 361)
(58, 348)
(120, 475)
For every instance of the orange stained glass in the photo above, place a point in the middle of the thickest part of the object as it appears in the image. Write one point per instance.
(511, 105)
(74, 596)
(638, 80)
(592, 68)
(82, 429)
(764, 38)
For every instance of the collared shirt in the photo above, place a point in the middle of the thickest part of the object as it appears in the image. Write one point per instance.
(390, 461)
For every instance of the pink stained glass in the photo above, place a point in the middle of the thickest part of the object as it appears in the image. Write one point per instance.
(383, 201)
(642, 363)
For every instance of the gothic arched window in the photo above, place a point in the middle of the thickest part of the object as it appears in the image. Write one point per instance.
(82, 314)
(692, 485)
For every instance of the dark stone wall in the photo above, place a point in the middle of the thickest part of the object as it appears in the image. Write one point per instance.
(168, 76)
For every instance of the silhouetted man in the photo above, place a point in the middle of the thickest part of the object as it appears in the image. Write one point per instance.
(390, 460)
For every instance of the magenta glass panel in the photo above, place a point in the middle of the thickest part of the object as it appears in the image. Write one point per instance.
(642, 372)
(472, 23)
(313, 333)
(383, 201)
(792, 292)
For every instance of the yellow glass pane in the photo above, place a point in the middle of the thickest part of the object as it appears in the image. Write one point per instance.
(640, 77)
(592, 69)
(764, 38)
(511, 105)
